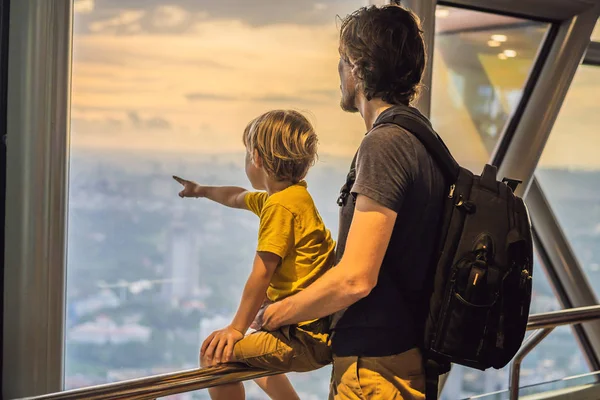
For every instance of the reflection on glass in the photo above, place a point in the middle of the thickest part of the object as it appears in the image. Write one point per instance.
(480, 65)
(596, 33)
(569, 170)
(168, 89)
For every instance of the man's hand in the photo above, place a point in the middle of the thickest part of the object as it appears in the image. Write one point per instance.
(218, 346)
(190, 188)
(270, 321)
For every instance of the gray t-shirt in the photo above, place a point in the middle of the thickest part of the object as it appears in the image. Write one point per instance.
(394, 169)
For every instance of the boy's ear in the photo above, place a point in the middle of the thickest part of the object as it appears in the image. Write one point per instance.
(257, 159)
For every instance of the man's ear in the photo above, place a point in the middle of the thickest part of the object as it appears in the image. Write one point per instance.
(354, 71)
(257, 159)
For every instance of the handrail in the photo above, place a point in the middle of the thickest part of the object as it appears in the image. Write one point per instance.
(152, 387)
(544, 324)
(568, 316)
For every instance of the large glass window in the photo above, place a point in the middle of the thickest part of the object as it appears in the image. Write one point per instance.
(480, 64)
(168, 89)
(569, 170)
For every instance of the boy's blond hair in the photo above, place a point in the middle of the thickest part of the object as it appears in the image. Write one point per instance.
(285, 141)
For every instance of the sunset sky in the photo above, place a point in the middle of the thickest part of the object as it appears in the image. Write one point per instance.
(187, 75)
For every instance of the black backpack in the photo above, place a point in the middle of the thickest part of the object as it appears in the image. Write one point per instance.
(478, 290)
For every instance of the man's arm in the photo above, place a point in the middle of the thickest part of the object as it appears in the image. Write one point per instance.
(352, 279)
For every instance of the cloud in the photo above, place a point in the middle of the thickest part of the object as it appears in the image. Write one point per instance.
(125, 19)
(308, 96)
(180, 15)
(328, 93)
(200, 96)
(281, 98)
(152, 123)
(157, 123)
(134, 118)
(220, 74)
(84, 6)
(314, 96)
(93, 126)
(169, 16)
(116, 123)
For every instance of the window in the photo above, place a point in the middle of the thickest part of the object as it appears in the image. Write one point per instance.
(569, 171)
(168, 89)
(480, 65)
(596, 33)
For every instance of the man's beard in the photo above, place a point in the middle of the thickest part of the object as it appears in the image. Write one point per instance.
(348, 101)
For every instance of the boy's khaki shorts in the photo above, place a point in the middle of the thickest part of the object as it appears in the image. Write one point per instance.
(289, 348)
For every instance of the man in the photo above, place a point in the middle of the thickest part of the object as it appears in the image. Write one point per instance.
(388, 224)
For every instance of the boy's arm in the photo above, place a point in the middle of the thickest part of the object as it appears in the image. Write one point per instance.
(229, 196)
(218, 346)
(255, 290)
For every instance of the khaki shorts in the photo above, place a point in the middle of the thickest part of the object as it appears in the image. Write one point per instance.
(397, 377)
(289, 348)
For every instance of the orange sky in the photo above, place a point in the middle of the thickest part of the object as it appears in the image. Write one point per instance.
(194, 90)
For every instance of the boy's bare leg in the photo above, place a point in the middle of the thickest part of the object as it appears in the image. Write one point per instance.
(277, 387)
(231, 391)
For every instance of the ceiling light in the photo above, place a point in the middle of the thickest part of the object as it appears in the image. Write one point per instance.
(502, 56)
(510, 53)
(493, 43)
(499, 38)
(442, 12)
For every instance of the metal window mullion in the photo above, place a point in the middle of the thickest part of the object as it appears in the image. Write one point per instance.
(39, 74)
(541, 10)
(592, 54)
(543, 103)
(425, 10)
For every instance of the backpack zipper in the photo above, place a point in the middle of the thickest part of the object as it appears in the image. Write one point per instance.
(451, 194)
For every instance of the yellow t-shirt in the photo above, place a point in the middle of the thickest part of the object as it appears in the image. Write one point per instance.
(291, 227)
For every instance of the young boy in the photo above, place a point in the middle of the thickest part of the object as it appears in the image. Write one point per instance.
(294, 249)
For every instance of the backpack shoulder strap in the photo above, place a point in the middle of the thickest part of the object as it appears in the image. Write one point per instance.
(429, 138)
(345, 191)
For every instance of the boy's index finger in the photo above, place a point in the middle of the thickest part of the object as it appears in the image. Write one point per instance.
(180, 180)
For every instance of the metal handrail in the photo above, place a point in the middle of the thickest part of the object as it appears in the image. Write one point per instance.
(544, 324)
(152, 387)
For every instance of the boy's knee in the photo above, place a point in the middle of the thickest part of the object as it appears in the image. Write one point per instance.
(205, 362)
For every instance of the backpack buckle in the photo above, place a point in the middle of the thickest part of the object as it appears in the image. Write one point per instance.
(341, 201)
(512, 183)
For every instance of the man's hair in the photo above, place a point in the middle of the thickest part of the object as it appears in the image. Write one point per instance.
(386, 46)
(286, 142)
